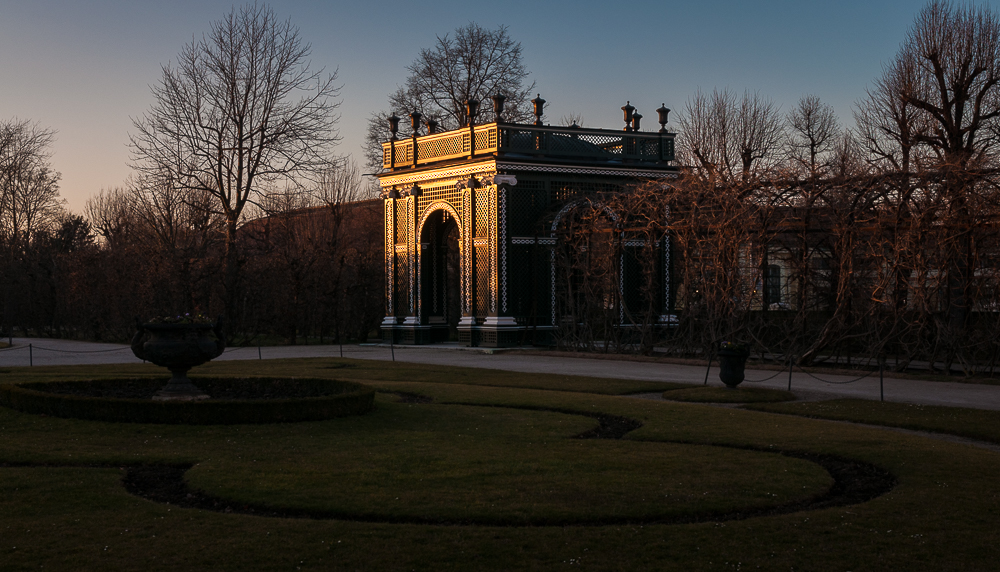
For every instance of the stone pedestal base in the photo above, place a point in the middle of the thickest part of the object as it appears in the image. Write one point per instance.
(180, 388)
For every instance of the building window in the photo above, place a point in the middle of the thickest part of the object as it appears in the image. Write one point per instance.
(772, 285)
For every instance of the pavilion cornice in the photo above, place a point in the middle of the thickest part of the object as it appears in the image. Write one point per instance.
(464, 170)
(546, 143)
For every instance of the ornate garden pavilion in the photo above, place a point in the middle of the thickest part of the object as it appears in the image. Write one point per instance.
(472, 216)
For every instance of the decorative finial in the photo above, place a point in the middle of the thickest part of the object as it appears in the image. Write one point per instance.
(415, 122)
(471, 109)
(663, 112)
(628, 109)
(539, 104)
(498, 100)
(393, 125)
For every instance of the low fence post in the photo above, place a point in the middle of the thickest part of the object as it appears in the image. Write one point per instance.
(881, 386)
(258, 353)
(709, 368)
(31, 356)
(791, 361)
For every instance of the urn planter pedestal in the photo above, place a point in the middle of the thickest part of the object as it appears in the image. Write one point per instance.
(179, 347)
(731, 367)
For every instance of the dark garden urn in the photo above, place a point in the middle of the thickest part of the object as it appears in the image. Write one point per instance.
(179, 347)
(732, 363)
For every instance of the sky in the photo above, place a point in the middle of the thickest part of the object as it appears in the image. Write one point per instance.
(84, 68)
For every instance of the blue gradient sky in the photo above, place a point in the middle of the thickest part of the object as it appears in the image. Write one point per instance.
(84, 67)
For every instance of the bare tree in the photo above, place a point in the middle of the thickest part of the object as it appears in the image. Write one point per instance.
(340, 183)
(813, 133)
(570, 119)
(111, 215)
(949, 68)
(729, 138)
(29, 188)
(889, 126)
(242, 114)
(847, 157)
(473, 63)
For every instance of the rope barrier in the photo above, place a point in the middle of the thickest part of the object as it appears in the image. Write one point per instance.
(779, 372)
(12, 348)
(868, 374)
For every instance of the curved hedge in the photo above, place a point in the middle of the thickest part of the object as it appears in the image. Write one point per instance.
(326, 399)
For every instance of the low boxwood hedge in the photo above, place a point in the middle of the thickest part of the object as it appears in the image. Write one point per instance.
(311, 400)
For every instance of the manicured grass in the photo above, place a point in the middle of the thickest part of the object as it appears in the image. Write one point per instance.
(725, 395)
(483, 458)
(442, 463)
(972, 423)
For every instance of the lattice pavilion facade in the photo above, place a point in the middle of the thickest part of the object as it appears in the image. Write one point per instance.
(472, 217)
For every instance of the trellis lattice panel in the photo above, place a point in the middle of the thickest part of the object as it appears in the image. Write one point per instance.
(403, 150)
(482, 277)
(525, 208)
(441, 148)
(399, 218)
(438, 193)
(482, 213)
(562, 191)
(630, 284)
(401, 284)
(486, 140)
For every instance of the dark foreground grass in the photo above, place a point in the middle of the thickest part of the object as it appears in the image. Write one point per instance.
(973, 423)
(484, 458)
(727, 395)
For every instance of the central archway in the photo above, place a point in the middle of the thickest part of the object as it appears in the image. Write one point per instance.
(441, 274)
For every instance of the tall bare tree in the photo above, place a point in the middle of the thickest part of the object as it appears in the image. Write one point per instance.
(29, 188)
(472, 63)
(730, 138)
(889, 126)
(949, 68)
(240, 115)
(813, 134)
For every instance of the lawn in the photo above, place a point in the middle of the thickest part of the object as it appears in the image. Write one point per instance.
(972, 423)
(488, 473)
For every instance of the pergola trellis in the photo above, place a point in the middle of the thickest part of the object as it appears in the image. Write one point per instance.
(499, 186)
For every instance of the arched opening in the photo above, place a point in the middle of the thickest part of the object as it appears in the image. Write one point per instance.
(441, 275)
(587, 266)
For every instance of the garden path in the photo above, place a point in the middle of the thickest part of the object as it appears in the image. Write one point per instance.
(980, 396)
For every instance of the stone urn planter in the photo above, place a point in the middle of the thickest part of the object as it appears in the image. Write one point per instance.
(179, 347)
(732, 363)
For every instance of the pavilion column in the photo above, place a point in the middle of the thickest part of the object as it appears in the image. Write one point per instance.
(412, 253)
(499, 327)
(468, 253)
(389, 254)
